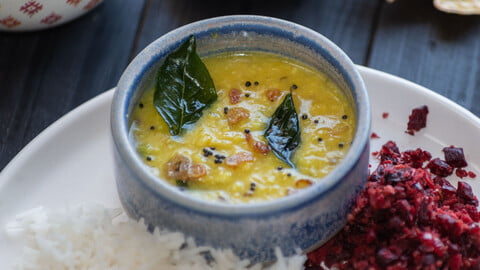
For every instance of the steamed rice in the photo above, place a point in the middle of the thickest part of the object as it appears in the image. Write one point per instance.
(94, 237)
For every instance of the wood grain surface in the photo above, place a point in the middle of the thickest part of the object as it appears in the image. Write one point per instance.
(45, 74)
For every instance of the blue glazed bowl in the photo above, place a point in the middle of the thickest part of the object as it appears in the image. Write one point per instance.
(303, 220)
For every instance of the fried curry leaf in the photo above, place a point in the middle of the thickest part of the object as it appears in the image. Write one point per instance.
(183, 88)
(283, 131)
(181, 183)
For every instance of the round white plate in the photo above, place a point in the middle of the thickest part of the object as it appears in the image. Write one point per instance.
(71, 161)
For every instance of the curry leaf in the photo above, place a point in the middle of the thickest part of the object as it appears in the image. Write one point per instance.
(183, 88)
(283, 131)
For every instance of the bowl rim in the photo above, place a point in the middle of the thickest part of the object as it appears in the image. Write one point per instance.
(146, 58)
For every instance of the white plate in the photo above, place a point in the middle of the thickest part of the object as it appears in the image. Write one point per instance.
(71, 161)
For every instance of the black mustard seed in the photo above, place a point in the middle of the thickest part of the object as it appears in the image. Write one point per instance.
(207, 152)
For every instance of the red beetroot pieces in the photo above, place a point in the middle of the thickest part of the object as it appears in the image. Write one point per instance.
(416, 158)
(454, 156)
(406, 219)
(464, 173)
(417, 119)
(461, 173)
(440, 167)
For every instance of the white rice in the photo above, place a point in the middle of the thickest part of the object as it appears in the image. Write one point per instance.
(94, 237)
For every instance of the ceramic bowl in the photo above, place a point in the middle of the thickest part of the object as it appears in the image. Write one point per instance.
(301, 221)
(26, 15)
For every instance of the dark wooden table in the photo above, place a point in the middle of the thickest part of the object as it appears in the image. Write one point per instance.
(44, 75)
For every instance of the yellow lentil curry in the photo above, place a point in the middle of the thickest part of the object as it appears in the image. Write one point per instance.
(228, 157)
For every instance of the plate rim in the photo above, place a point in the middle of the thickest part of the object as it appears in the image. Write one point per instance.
(52, 129)
(423, 90)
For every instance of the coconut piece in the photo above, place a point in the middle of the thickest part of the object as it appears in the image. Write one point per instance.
(239, 158)
(235, 95)
(273, 94)
(236, 115)
(258, 146)
(180, 167)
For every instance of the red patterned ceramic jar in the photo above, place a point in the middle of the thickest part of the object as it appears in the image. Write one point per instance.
(25, 15)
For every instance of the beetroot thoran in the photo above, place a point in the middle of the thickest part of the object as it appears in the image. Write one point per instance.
(406, 218)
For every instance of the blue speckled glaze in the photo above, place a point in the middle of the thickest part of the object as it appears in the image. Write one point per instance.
(300, 221)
